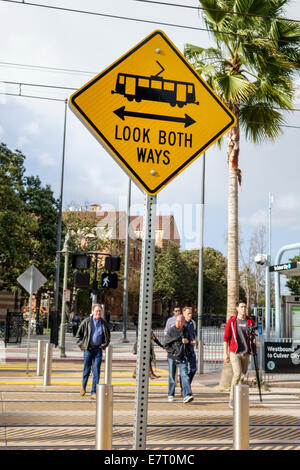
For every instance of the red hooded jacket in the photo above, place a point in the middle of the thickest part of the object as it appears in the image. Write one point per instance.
(230, 333)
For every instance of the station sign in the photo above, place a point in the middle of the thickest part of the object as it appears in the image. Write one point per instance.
(283, 267)
(153, 112)
(282, 358)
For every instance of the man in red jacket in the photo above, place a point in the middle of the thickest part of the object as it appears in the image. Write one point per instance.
(236, 344)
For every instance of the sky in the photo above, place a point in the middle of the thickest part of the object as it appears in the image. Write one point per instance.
(37, 40)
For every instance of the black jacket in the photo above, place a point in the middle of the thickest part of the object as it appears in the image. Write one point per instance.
(83, 334)
(176, 349)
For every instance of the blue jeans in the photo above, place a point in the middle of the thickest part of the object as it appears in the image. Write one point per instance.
(91, 357)
(192, 365)
(183, 371)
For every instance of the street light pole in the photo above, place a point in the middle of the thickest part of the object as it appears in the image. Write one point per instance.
(126, 266)
(62, 346)
(95, 283)
(268, 278)
(56, 281)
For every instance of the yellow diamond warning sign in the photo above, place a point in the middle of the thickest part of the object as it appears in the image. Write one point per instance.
(153, 112)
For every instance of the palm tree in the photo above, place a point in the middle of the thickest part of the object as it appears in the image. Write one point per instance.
(251, 69)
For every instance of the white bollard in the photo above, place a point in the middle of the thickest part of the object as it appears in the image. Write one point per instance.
(40, 354)
(48, 364)
(104, 417)
(241, 417)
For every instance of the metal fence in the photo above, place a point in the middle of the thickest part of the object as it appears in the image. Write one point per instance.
(212, 338)
(13, 327)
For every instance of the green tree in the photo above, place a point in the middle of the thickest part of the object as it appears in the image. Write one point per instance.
(17, 229)
(85, 236)
(251, 69)
(176, 278)
(214, 281)
(166, 278)
(293, 282)
(43, 207)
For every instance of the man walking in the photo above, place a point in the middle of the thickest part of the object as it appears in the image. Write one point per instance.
(171, 321)
(191, 355)
(236, 344)
(177, 340)
(93, 336)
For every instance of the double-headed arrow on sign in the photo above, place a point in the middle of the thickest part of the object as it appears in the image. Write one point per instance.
(186, 120)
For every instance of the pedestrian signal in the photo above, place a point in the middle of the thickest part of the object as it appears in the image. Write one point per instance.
(109, 281)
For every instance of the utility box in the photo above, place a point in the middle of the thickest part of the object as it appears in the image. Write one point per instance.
(291, 316)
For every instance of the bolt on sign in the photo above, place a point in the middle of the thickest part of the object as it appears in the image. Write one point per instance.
(153, 112)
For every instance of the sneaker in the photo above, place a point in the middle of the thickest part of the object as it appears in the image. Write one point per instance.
(188, 399)
(170, 398)
(82, 392)
(230, 404)
(93, 396)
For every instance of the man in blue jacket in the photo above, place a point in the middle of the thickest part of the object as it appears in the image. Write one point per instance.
(93, 336)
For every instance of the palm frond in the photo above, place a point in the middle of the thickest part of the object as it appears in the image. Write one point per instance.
(260, 122)
(192, 52)
(235, 88)
(274, 90)
(213, 16)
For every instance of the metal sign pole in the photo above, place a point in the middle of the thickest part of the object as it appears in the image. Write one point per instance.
(200, 366)
(29, 320)
(144, 328)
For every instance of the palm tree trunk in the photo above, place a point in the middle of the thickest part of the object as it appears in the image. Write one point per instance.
(233, 236)
(233, 232)
(232, 270)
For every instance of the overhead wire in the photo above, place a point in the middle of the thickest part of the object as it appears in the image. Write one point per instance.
(21, 84)
(45, 68)
(66, 99)
(106, 15)
(86, 72)
(38, 85)
(218, 10)
(32, 96)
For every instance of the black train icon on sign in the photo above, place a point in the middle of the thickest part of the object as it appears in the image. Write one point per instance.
(155, 88)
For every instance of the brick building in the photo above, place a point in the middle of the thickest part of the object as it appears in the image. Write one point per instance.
(111, 226)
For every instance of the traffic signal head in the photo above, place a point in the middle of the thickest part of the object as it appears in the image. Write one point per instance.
(112, 263)
(81, 280)
(81, 261)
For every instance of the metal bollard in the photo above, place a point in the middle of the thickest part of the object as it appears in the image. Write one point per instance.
(40, 354)
(200, 357)
(104, 417)
(48, 364)
(108, 364)
(241, 417)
